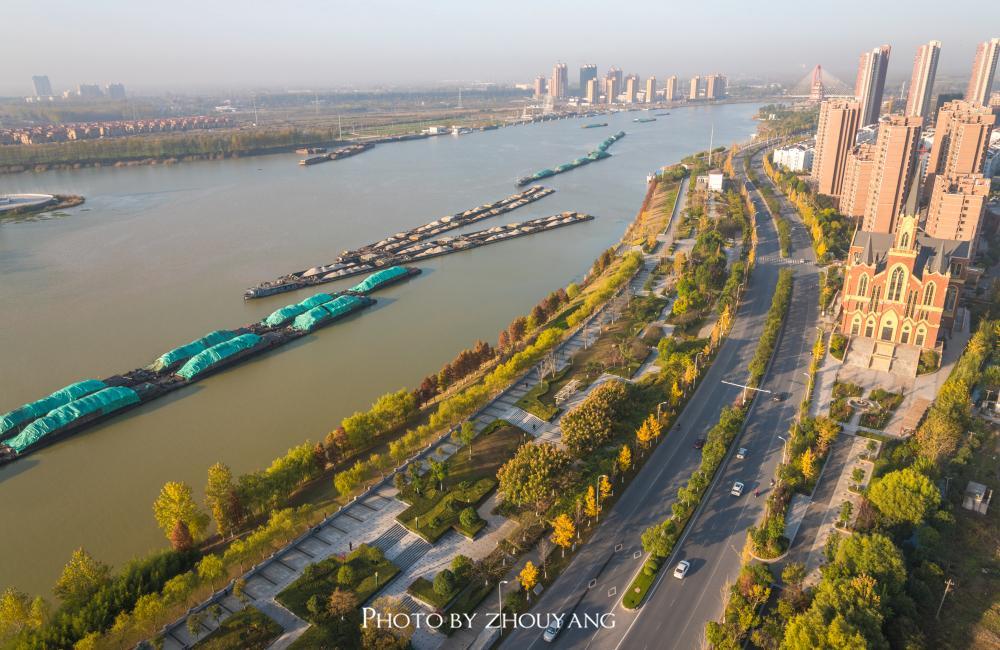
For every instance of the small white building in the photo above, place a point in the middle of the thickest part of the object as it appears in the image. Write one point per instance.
(715, 180)
(796, 158)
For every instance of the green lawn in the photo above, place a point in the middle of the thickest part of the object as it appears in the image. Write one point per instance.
(321, 579)
(245, 630)
(539, 400)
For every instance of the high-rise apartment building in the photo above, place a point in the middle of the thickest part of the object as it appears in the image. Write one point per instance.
(715, 86)
(115, 91)
(670, 91)
(893, 173)
(610, 89)
(587, 72)
(541, 86)
(693, 89)
(631, 88)
(89, 91)
(838, 126)
(593, 92)
(956, 207)
(650, 95)
(560, 79)
(42, 86)
(961, 140)
(983, 69)
(857, 179)
(870, 83)
(918, 102)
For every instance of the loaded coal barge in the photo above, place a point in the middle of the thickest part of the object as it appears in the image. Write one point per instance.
(338, 153)
(85, 403)
(600, 153)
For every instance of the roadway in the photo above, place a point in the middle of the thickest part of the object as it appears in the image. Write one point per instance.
(675, 611)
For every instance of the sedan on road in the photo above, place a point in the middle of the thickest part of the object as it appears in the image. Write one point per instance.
(551, 632)
(681, 569)
(699, 443)
(737, 489)
(742, 452)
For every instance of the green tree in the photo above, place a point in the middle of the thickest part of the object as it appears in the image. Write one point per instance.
(174, 504)
(345, 575)
(18, 612)
(444, 583)
(438, 470)
(904, 496)
(465, 435)
(81, 578)
(223, 499)
(210, 569)
(532, 474)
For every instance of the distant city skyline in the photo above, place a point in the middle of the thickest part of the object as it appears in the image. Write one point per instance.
(228, 45)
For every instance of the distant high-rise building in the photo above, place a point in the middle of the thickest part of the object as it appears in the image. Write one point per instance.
(870, 83)
(560, 78)
(956, 207)
(613, 84)
(893, 173)
(961, 140)
(631, 88)
(670, 92)
(650, 90)
(983, 69)
(593, 93)
(838, 126)
(587, 72)
(42, 86)
(857, 178)
(619, 77)
(944, 98)
(541, 86)
(89, 91)
(116, 91)
(715, 86)
(918, 102)
(693, 88)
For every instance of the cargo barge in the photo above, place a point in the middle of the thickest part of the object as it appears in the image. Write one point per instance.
(310, 150)
(644, 120)
(88, 402)
(337, 154)
(600, 153)
(386, 252)
(594, 126)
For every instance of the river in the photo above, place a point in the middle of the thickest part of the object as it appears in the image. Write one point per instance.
(159, 255)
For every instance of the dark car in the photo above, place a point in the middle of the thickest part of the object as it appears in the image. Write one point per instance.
(699, 443)
(779, 397)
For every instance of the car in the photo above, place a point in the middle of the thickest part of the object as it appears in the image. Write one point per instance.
(742, 452)
(681, 569)
(551, 632)
(779, 397)
(737, 489)
(699, 443)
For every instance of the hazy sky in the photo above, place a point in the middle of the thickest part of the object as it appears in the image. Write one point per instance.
(185, 45)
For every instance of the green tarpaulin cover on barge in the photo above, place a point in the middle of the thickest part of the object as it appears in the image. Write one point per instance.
(373, 281)
(38, 408)
(202, 361)
(103, 402)
(317, 315)
(289, 312)
(183, 352)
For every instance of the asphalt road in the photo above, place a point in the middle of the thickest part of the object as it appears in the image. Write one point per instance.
(675, 611)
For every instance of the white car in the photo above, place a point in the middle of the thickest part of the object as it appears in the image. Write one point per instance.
(742, 452)
(681, 569)
(737, 489)
(551, 632)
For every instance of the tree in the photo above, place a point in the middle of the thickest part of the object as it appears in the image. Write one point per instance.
(386, 637)
(532, 474)
(654, 426)
(81, 578)
(644, 435)
(604, 487)
(590, 503)
(438, 471)
(503, 341)
(528, 577)
(19, 612)
(827, 430)
(563, 532)
(174, 504)
(444, 583)
(180, 537)
(341, 603)
(210, 568)
(468, 517)
(624, 459)
(904, 496)
(223, 499)
(465, 435)
(807, 462)
(345, 575)
(517, 329)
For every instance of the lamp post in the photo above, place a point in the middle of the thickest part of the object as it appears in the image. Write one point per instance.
(500, 603)
(658, 409)
(376, 581)
(784, 448)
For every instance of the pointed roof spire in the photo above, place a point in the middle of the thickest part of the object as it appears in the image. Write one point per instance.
(910, 205)
(942, 267)
(867, 255)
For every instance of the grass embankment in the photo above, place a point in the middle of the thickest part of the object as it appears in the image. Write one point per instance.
(355, 572)
(247, 629)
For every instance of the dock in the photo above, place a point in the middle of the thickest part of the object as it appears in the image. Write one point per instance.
(393, 249)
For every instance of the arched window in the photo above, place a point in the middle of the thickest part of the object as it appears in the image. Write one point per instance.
(904, 336)
(895, 284)
(904, 240)
(911, 301)
(870, 327)
(929, 294)
(949, 298)
(863, 285)
(921, 335)
(856, 326)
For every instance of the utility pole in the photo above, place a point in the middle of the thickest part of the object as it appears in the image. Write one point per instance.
(949, 583)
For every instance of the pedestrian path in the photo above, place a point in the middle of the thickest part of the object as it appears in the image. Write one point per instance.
(534, 425)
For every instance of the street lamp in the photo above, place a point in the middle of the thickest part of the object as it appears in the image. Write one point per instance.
(696, 357)
(784, 448)
(376, 580)
(500, 603)
(658, 409)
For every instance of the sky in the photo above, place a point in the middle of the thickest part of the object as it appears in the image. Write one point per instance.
(190, 46)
